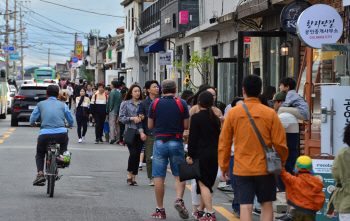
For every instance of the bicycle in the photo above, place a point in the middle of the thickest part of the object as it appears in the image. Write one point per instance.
(52, 152)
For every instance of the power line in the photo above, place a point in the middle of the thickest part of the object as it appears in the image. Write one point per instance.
(83, 10)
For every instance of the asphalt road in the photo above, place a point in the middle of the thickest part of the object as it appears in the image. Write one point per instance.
(92, 188)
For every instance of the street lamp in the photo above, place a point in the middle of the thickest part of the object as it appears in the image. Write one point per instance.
(178, 54)
(285, 48)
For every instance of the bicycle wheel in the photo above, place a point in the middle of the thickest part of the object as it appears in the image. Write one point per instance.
(47, 172)
(52, 177)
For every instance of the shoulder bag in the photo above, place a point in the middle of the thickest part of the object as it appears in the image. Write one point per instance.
(273, 159)
(189, 171)
(130, 136)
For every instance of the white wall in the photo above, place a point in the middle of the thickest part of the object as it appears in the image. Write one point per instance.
(220, 7)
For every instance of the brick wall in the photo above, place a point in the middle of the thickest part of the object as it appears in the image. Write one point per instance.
(168, 11)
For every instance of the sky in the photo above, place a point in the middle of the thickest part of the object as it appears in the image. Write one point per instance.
(60, 39)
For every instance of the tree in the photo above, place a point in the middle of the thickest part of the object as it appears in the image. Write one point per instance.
(203, 63)
(87, 74)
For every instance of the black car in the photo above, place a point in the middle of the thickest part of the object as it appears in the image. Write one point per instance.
(26, 100)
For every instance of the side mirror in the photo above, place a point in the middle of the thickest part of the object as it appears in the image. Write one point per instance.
(12, 95)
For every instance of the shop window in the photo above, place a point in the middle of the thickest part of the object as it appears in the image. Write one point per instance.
(226, 81)
(129, 20)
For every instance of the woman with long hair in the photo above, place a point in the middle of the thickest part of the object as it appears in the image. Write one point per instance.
(203, 145)
(128, 116)
(195, 109)
(82, 113)
(269, 92)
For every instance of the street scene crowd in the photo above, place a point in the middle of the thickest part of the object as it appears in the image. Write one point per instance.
(252, 142)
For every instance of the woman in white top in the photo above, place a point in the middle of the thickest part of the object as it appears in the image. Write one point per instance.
(82, 113)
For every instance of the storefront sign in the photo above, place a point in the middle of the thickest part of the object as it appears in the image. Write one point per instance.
(290, 15)
(319, 24)
(322, 170)
(247, 40)
(183, 17)
(14, 56)
(79, 50)
(165, 58)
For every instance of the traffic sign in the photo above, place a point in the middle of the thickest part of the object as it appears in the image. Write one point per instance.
(14, 56)
(19, 68)
(8, 48)
(75, 59)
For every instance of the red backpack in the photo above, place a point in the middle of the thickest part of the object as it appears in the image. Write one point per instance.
(179, 104)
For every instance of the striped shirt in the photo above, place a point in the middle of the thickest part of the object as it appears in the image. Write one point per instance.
(98, 103)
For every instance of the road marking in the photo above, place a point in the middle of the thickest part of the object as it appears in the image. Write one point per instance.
(189, 187)
(8, 132)
(12, 129)
(1, 141)
(225, 213)
(6, 136)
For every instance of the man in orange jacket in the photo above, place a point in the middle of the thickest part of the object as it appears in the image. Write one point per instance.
(305, 193)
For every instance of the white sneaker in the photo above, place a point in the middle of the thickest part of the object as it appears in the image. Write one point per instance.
(83, 139)
(79, 140)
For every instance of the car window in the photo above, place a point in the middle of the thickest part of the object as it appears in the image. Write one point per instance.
(32, 91)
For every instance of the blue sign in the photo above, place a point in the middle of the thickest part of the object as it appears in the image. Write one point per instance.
(19, 68)
(75, 59)
(8, 48)
(14, 56)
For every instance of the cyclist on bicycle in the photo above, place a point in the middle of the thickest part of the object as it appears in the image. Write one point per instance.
(52, 113)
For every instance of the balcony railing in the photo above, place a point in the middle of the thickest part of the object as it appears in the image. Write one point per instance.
(150, 17)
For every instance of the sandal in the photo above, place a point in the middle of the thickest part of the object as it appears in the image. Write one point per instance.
(134, 183)
(129, 181)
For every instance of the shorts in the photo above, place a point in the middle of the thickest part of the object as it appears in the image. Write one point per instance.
(162, 153)
(246, 187)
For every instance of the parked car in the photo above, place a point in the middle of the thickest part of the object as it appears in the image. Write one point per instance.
(11, 91)
(28, 96)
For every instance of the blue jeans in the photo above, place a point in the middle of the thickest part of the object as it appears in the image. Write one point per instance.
(172, 151)
(234, 206)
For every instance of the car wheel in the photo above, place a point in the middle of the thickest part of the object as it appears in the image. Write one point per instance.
(3, 116)
(14, 121)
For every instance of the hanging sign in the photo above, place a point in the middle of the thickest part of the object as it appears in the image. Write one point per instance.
(290, 15)
(183, 17)
(79, 50)
(319, 24)
(165, 58)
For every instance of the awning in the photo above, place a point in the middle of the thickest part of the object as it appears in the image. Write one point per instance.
(155, 47)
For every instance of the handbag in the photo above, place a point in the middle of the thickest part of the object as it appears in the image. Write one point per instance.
(130, 136)
(85, 114)
(273, 159)
(189, 171)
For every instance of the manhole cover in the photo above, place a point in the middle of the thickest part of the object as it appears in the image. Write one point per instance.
(90, 189)
(84, 194)
(82, 177)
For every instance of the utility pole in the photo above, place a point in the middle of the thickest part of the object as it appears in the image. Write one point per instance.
(22, 66)
(15, 38)
(48, 61)
(7, 38)
(75, 52)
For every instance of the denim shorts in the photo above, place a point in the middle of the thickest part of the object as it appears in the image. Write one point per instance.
(162, 153)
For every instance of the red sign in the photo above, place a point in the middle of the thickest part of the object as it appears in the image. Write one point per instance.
(247, 40)
(183, 17)
(80, 50)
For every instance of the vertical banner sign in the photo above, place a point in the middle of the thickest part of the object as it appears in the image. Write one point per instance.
(322, 170)
(80, 50)
(183, 17)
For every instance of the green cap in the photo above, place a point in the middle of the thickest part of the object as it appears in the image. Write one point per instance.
(280, 96)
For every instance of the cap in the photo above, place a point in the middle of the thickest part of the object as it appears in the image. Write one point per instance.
(304, 164)
(168, 84)
(280, 96)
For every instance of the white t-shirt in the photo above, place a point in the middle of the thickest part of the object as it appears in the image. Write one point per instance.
(289, 122)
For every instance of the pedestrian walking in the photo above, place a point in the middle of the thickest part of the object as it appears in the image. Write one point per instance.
(148, 135)
(340, 198)
(98, 111)
(195, 109)
(128, 115)
(89, 91)
(82, 114)
(115, 98)
(169, 116)
(62, 83)
(69, 87)
(77, 89)
(235, 207)
(203, 145)
(250, 170)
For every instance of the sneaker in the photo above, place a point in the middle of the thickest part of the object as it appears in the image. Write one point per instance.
(140, 167)
(198, 214)
(40, 180)
(285, 217)
(100, 140)
(256, 212)
(151, 182)
(159, 214)
(112, 142)
(97, 141)
(83, 139)
(236, 213)
(209, 217)
(180, 207)
(121, 143)
(79, 141)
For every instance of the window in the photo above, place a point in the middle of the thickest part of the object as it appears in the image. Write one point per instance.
(129, 20)
(132, 19)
